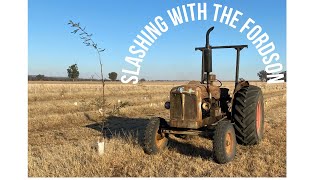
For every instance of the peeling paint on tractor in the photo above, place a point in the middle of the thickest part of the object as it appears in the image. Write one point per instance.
(186, 104)
(203, 108)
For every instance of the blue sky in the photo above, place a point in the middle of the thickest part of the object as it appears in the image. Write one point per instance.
(115, 24)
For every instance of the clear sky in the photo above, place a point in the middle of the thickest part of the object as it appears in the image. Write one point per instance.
(115, 24)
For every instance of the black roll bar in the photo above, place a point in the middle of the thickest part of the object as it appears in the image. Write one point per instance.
(207, 56)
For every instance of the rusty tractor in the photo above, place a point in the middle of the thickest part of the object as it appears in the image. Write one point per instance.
(206, 109)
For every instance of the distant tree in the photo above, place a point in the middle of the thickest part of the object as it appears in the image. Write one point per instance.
(113, 76)
(142, 80)
(263, 75)
(40, 77)
(73, 72)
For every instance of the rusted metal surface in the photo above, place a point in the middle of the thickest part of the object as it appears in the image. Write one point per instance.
(212, 78)
(197, 104)
(188, 132)
(186, 102)
(192, 86)
(204, 132)
(240, 85)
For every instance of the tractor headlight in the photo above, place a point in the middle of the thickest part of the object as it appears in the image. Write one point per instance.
(206, 106)
(167, 105)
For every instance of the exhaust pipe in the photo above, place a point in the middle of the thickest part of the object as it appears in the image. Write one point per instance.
(207, 53)
(207, 37)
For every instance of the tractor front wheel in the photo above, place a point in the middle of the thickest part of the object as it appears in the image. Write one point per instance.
(154, 139)
(224, 142)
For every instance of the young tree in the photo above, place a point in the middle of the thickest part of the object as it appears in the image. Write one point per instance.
(263, 75)
(73, 72)
(113, 76)
(87, 40)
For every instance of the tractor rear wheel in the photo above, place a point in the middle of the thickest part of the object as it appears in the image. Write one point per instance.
(248, 115)
(154, 139)
(224, 142)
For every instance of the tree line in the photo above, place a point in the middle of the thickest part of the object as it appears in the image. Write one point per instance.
(73, 75)
(263, 76)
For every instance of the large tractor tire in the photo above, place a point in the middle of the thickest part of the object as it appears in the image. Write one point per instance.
(154, 139)
(224, 142)
(248, 115)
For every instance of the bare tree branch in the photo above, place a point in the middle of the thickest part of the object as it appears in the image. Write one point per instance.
(87, 40)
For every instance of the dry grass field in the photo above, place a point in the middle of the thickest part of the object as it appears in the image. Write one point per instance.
(61, 131)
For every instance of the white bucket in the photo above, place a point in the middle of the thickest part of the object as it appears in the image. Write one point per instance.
(100, 147)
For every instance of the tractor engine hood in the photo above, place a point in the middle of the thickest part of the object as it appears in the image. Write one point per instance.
(186, 104)
(198, 89)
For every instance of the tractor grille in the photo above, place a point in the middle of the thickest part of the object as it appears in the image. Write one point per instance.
(183, 111)
(175, 106)
(190, 107)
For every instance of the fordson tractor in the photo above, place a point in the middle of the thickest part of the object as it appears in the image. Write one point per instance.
(206, 109)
